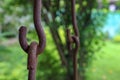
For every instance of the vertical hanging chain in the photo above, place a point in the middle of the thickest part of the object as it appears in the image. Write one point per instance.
(34, 49)
(73, 39)
(74, 20)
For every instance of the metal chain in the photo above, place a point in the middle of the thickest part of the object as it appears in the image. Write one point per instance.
(34, 49)
(73, 39)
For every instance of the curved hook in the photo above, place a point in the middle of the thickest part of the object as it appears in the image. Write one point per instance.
(73, 40)
(22, 38)
(38, 27)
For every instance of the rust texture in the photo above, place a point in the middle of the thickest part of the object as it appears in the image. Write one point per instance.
(73, 40)
(34, 49)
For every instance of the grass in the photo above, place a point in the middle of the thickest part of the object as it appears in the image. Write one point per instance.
(106, 65)
(12, 63)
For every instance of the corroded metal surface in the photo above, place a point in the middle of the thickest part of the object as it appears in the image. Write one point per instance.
(34, 49)
(73, 40)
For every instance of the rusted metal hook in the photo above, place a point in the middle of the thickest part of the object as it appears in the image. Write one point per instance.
(73, 51)
(34, 49)
(38, 27)
(74, 39)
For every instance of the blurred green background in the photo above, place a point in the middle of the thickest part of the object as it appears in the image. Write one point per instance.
(99, 27)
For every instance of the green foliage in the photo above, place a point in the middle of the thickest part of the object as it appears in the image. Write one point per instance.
(116, 38)
(49, 63)
(12, 63)
(105, 64)
(11, 16)
(90, 23)
(57, 16)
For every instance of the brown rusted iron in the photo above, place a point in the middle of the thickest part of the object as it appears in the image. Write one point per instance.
(34, 49)
(73, 51)
(73, 39)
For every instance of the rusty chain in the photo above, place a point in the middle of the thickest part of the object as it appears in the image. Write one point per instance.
(73, 40)
(34, 49)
